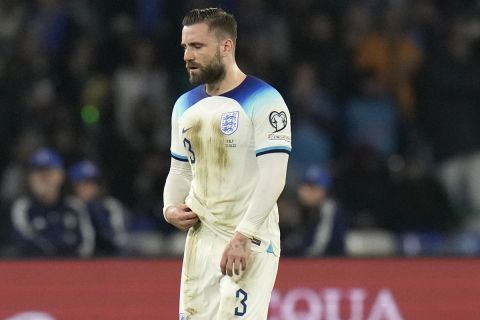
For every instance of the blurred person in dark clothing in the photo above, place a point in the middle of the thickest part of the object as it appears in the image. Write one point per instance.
(108, 215)
(364, 187)
(371, 117)
(270, 54)
(318, 41)
(316, 117)
(46, 221)
(371, 136)
(449, 113)
(323, 222)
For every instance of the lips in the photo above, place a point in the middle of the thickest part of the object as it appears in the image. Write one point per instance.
(192, 67)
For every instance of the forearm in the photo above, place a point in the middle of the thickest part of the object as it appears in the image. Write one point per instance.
(273, 169)
(177, 184)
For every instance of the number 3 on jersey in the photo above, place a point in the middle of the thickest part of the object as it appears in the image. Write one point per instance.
(242, 309)
(188, 145)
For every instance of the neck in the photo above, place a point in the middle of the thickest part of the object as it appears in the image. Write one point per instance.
(233, 77)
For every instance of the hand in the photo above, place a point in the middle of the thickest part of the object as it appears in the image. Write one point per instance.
(181, 216)
(235, 255)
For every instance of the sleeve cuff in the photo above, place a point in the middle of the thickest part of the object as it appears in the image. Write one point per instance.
(164, 210)
(274, 149)
(247, 229)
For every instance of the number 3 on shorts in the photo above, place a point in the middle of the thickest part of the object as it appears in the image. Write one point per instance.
(241, 310)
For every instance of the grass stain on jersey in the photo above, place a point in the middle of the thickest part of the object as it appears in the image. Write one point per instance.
(201, 163)
(221, 161)
(191, 312)
(211, 157)
(218, 144)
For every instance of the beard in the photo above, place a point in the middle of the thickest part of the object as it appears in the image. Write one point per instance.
(212, 72)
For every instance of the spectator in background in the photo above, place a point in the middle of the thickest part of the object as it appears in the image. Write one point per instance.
(46, 221)
(355, 26)
(80, 68)
(141, 88)
(268, 57)
(108, 215)
(318, 41)
(12, 15)
(364, 187)
(449, 91)
(322, 226)
(316, 119)
(392, 55)
(51, 20)
(140, 105)
(371, 117)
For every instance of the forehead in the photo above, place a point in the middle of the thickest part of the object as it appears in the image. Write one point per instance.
(198, 32)
(44, 170)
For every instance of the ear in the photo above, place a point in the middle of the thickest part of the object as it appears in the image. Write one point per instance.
(226, 47)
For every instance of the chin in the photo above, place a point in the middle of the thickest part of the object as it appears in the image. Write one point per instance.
(195, 80)
(192, 81)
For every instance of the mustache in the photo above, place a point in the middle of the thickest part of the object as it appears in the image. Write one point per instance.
(192, 65)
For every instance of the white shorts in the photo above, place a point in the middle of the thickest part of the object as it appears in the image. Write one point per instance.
(206, 294)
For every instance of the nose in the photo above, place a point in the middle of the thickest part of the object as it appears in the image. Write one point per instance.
(188, 55)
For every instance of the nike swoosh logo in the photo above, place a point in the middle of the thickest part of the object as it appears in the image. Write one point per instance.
(185, 130)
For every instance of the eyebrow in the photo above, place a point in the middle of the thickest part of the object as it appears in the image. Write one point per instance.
(184, 45)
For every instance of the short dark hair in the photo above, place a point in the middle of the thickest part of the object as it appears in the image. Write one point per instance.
(215, 18)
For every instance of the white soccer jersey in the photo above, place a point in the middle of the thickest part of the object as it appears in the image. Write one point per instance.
(221, 136)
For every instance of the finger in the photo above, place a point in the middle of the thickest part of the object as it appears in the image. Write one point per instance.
(183, 219)
(236, 267)
(189, 215)
(193, 219)
(190, 223)
(223, 264)
(244, 264)
(230, 267)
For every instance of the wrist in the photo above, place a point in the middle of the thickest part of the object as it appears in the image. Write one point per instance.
(240, 237)
(246, 229)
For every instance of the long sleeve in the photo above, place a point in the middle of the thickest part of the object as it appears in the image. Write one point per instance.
(273, 170)
(177, 184)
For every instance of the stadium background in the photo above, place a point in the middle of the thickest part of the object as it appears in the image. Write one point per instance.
(384, 95)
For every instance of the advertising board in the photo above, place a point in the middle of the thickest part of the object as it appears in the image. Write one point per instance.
(316, 289)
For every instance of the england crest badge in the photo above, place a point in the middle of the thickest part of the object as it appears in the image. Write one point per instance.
(229, 122)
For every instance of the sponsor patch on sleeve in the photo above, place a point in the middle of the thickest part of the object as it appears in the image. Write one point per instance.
(279, 137)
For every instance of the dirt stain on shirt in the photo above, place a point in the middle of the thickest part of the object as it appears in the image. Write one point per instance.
(210, 154)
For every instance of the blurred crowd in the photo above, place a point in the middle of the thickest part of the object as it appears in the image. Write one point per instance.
(385, 104)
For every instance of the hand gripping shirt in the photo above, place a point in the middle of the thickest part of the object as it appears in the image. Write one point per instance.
(221, 136)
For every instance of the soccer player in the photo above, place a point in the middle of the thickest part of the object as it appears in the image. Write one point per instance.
(230, 146)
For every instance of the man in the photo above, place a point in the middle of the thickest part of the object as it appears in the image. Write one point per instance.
(46, 221)
(323, 222)
(230, 147)
(108, 215)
